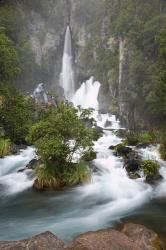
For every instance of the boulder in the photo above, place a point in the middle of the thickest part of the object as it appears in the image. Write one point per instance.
(108, 123)
(153, 179)
(43, 241)
(107, 239)
(123, 150)
(33, 164)
(144, 238)
(143, 145)
(112, 147)
(99, 129)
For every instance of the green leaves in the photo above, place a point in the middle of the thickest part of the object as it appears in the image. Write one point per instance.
(150, 167)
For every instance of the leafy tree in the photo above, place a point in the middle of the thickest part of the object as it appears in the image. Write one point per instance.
(16, 113)
(9, 62)
(59, 137)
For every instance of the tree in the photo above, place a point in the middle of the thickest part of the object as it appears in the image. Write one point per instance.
(59, 138)
(9, 62)
(16, 113)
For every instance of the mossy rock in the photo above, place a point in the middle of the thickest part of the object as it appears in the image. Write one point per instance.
(89, 156)
(122, 150)
(151, 171)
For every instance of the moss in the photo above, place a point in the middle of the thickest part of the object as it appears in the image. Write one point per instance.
(89, 156)
(150, 168)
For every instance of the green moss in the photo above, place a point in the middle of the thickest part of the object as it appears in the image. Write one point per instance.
(150, 167)
(89, 156)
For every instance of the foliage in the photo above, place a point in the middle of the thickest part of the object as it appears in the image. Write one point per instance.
(89, 156)
(162, 148)
(58, 137)
(5, 147)
(16, 113)
(9, 63)
(50, 177)
(150, 167)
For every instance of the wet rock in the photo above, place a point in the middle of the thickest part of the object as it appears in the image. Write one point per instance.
(133, 175)
(34, 163)
(89, 156)
(21, 170)
(99, 129)
(153, 179)
(132, 164)
(43, 241)
(112, 147)
(108, 123)
(143, 145)
(102, 240)
(123, 150)
(144, 238)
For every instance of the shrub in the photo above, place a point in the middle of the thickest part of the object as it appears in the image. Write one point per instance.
(58, 137)
(162, 148)
(5, 147)
(131, 139)
(150, 167)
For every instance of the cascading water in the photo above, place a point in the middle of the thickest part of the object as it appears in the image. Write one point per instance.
(67, 73)
(86, 96)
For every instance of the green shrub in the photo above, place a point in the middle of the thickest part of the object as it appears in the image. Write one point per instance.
(50, 177)
(150, 167)
(131, 139)
(162, 148)
(89, 156)
(5, 147)
(146, 137)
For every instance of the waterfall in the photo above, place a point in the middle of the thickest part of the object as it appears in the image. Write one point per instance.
(87, 95)
(40, 94)
(67, 73)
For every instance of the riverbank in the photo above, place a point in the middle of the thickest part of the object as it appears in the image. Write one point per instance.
(130, 237)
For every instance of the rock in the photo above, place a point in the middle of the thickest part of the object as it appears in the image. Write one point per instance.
(153, 179)
(43, 241)
(108, 123)
(132, 164)
(33, 164)
(99, 129)
(134, 175)
(112, 147)
(102, 240)
(143, 145)
(144, 238)
(89, 156)
(21, 170)
(123, 150)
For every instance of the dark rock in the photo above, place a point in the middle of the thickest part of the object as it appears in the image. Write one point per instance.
(43, 241)
(143, 145)
(33, 164)
(133, 175)
(123, 150)
(112, 147)
(133, 162)
(153, 179)
(108, 123)
(103, 240)
(21, 170)
(99, 129)
(144, 238)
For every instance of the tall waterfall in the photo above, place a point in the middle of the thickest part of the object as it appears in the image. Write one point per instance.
(67, 73)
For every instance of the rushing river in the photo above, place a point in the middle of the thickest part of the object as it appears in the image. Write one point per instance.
(110, 198)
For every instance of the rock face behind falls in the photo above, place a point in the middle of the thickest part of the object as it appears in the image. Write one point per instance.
(131, 237)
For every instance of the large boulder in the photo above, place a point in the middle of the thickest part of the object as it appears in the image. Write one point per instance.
(103, 240)
(143, 238)
(43, 241)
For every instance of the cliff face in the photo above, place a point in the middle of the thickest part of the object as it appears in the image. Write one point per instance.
(46, 29)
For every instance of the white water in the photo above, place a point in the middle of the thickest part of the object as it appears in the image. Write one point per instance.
(11, 181)
(40, 94)
(86, 96)
(67, 73)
